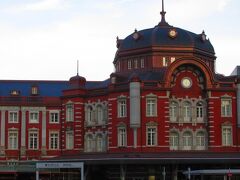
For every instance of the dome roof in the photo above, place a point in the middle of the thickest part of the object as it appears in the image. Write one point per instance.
(77, 81)
(160, 36)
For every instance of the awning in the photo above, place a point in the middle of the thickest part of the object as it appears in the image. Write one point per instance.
(212, 172)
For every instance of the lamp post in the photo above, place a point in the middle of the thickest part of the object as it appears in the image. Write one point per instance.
(189, 173)
(164, 173)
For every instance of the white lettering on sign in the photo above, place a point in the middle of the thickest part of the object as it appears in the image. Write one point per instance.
(59, 165)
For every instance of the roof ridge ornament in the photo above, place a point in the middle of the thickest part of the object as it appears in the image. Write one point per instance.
(163, 21)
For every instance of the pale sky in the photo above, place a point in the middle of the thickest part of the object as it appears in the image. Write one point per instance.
(43, 39)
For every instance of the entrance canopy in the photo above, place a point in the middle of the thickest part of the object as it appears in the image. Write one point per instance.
(212, 172)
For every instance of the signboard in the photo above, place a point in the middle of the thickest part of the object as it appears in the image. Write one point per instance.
(59, 165)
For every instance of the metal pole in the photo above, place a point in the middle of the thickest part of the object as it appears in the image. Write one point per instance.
(164, 173)
(37, 175)
(189, 173)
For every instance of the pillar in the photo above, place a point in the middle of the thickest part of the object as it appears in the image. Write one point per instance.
(2, 144)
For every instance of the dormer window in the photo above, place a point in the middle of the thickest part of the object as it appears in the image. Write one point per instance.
(15, 92)
(34, 90)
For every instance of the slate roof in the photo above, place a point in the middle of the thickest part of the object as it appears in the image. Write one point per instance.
(46, 88)
(149, 75)
(158, 36)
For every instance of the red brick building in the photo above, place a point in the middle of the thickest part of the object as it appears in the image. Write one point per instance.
(163, 113)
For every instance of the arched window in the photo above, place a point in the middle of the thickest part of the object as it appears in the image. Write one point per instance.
(187, 113)
(99, 143)
(173, 111)
(99, 114)
(200, 140)
(89, 114)
(187, 140)
(89, 143)
(199, 111)
(174, 140)
(122, 136)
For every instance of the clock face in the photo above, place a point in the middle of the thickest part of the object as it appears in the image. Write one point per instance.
(186, 82)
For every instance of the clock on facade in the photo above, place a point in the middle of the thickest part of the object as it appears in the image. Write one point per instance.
(186, 82)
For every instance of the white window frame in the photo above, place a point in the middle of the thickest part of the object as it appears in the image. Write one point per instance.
(151, 106)
(165, 62)
(200, 140)
(199, 111)
(129, 64)
(69, 140)
(34, 90)
(34, 117)
(142, 62)
(89, 143)
(172, 59)
(99, 143)
(174, 140)
(135, 63)
(53, 140)
(173, 111)
(227, 135)
(100, 114)
(69, 112)
(53, 119)
(33, 140)
(226, 110)
(151, 135)
(13, 139)
(187, 111)
(13, 117)
(90, 115)
(187, 140)
(122, 136)
(122, 107)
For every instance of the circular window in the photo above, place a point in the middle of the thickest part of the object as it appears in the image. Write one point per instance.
(186, 82)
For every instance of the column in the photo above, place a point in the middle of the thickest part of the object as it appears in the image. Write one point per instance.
(44, 133)
(23, 133)
(122, 172)
(135, 115)
(2, 144)
(238, 104)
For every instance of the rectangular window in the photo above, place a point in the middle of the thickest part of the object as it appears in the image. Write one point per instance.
(122, 137)
(165, 61)
(135, 64)
(173, 112)
(13, 140)
(54, 140)
(142, 63)
(151, 107)
(13, 117)
(172, 59)
(173, 141)
(199, 112)
(69, 140)
(151, 136)
(54, 117)
(129, 64)
(34, 117)
(226, 107)
(226, 136)
(69, 112)
(122, 108)
(33, 140)
(34, 90)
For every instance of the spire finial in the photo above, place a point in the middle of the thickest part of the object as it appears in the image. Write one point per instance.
(163, 21)
(162, 5)
(77, 66)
